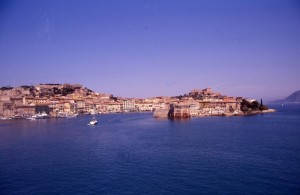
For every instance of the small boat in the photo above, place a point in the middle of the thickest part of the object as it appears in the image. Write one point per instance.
(31, 118)
(71, 115)
(42, 115)
(93, 122)
(5, 118)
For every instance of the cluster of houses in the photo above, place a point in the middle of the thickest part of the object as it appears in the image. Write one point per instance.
(57, 101)
(201, 103)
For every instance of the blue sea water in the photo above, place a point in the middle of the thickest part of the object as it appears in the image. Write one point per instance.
(138, 154)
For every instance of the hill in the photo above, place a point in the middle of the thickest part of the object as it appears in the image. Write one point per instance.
(47, 90)
(293, 98)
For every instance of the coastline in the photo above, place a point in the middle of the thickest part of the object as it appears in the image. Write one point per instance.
(163, 114)
(260, 112)
(69, 100)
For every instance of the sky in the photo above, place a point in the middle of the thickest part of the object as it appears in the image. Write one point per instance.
(147, 48)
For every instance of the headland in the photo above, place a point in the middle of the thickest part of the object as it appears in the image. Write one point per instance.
(68, 100)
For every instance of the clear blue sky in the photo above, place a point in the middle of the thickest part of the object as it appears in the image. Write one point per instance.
(146, 48)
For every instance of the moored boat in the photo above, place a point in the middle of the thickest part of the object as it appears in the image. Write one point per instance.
(40, 115)
(31, 118)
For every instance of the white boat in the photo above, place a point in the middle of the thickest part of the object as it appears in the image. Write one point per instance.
(31, 118)
(44, 115)
(40, 115)
(93, 122)
(71, 115)
(236, 112)
(5, 118)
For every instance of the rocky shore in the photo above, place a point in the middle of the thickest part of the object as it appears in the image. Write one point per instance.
(164, 113)
(259, 112)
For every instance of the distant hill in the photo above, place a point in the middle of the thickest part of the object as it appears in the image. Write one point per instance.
(293, 98)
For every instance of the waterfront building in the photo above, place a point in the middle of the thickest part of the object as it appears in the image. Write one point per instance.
(181, 110)
(194, 108)
(114, 107)
(6, 108)
(25, 110)
(40, 108)
(212, 107)
(159, 106)
(28, 100)
(80, 105)
(143, 106)
(231, 104)
(129, 105)
(89, 107)
(43, 100)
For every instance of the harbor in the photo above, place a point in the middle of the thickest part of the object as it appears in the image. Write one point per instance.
(70, 100)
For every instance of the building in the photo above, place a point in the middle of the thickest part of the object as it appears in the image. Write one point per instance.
(142, 106)
(25, 110)
(181, 110)
(114, 107)
(129, 105)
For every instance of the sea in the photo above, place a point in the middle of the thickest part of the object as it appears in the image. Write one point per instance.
(134, 153)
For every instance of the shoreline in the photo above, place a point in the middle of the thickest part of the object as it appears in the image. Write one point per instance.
(194, 116)
(260, 112)
(238, 114)
(163, 114)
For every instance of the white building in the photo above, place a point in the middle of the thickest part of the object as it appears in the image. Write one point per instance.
(128, 105)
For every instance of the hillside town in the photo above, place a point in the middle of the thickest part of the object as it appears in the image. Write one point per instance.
(69, 100)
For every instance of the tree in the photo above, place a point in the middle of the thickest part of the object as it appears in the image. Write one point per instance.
(56, 91)
(245, 105)
(67, 90)
(113, 98)
(255, 105)
(252, 106)
(6, 88)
